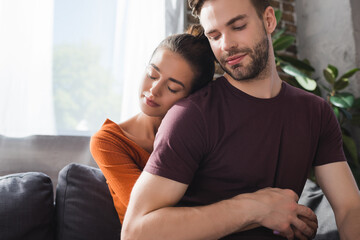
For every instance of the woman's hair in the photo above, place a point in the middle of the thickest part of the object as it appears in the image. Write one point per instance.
(194, 47)
(260, 6)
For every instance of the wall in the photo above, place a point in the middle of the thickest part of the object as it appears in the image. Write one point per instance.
(326, 36)
(355, 7)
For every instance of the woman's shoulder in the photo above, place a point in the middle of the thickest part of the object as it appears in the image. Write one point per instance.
(110, 132)
(113, 136)
(109, 128)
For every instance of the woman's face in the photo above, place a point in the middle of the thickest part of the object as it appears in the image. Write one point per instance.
(168, 78)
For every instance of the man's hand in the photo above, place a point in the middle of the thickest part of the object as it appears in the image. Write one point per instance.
(278, 209)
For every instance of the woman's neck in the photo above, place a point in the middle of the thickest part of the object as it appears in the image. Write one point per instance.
(142, 130)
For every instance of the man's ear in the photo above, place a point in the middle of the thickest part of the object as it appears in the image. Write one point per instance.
(269, 20)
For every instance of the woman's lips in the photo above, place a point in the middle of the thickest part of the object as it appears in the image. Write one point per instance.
(235, 59)
(151, 103)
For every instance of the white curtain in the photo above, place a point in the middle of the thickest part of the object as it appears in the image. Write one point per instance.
(93, 52)
(26, 31)
(142, 24)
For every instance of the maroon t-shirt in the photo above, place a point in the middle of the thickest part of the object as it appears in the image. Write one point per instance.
(223, 142)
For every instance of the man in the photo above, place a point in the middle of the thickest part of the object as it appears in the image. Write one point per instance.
(232, 159)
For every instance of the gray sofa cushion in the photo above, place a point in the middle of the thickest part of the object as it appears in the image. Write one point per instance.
(313, 197)
(26, 207)
(84, 206)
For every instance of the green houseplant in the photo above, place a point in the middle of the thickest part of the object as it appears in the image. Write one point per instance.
(346, 107)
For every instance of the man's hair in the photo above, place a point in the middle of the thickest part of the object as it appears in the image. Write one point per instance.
(260, 6)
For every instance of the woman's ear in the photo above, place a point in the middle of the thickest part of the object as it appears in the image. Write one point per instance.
(269, 20)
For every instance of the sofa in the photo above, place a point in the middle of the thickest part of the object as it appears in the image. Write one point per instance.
(51, 188)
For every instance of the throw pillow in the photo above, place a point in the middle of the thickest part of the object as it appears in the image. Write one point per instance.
(84, 206)
(26, 207)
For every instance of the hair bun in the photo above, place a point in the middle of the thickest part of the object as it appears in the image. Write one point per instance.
(196, 30)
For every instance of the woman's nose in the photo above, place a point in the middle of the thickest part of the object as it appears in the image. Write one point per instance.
(155, 88)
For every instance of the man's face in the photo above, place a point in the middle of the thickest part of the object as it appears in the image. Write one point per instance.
(237, 37)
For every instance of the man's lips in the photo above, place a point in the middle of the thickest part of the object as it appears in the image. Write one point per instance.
(151, 103)
(235, 59)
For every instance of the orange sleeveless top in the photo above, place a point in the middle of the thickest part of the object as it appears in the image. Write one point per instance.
(121, 161)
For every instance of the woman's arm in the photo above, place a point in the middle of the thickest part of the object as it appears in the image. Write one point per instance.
(340, 188)
(119, 169)
(151, 213)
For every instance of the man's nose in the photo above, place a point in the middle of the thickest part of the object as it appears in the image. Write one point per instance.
(227, 43)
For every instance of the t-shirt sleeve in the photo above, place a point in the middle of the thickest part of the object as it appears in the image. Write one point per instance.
(180, 143)
(118, 167)
(330, 145)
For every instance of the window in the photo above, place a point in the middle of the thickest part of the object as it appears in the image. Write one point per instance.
(68, 65)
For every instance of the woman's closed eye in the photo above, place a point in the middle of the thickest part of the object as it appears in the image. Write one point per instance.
(174, 86)
(153, 77)
(172, 90)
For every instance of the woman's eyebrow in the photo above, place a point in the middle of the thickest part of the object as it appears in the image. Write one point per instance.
(171, 79)
(177, 81)
(156, 67)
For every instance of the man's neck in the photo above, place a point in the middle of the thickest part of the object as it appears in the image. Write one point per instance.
(266, 85)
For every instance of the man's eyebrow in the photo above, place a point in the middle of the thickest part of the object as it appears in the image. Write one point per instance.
(237, 18)
(171, 79)
(231, 21)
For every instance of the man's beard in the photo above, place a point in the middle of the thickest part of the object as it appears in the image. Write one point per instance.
(259, 55)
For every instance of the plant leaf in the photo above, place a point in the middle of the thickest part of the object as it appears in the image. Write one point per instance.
(325, 87)
(350, 145)
(329, 75)
(278, 15)
(350, 73)
(341, 84)
(305, 82)
(296, 63)
(334, 70)
(317, 91)
(346, 113)
(278, 34)
(342, 100)
(283, 42)
(337, 113)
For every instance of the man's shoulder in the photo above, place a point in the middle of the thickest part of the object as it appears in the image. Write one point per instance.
(302, 95)
(205, 95)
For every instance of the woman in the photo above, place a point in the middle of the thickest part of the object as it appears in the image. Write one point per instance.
(180, 65)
